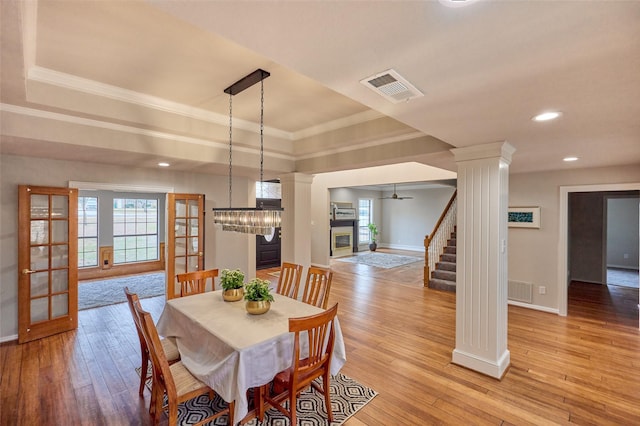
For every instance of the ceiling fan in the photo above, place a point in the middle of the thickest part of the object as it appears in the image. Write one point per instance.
(395, 196)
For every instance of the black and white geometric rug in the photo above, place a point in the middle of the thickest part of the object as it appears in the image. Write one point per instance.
(381, 260)
(347, 397)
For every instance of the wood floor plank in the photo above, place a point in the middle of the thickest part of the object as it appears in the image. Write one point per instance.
(399, 336)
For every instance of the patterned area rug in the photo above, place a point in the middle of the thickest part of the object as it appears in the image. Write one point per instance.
(381, 260)
(347, 397)
(93, 294)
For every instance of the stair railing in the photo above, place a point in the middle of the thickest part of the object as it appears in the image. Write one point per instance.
(435, 243)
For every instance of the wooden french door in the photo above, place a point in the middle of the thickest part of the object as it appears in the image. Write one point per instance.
(185, 237)
(47, 261)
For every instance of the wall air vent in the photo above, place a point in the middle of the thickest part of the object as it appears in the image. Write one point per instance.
(392, 86)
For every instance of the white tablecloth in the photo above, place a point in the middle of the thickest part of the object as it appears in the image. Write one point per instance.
(231, 350)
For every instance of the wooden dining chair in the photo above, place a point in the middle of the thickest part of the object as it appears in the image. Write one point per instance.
(319, 331)
(317, 286)
(174, 381)
(289, 280)
(168, 347)
(196, 282)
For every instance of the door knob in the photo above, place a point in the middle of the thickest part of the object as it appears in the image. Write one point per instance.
(27, 271)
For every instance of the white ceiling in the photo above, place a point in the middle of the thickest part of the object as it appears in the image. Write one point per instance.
(138, 82)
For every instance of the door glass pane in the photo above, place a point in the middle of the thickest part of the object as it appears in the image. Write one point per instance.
(181, 266)
(39, 309)
(193, 245)
(193, 208)
(193, 227)
(39, 206)
(60, 256)
(39, 258)
(181, 227)
(193, 263)
(60, 206)
(181, 208)
(39, 232)
(59, 231)
(59, 305)
(181, 246)
(59, 280)
(39, 284)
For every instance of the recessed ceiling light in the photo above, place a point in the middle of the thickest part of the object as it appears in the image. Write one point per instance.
(569, 159)
(163, 164)
(546, 116)
(456, 3)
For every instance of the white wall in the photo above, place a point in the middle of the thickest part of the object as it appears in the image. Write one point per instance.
(222, 249)
(533, 253)
(405, 223)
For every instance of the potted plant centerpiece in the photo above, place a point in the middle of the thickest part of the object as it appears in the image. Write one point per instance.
(232, 282)
(374, 236)
(258, 296)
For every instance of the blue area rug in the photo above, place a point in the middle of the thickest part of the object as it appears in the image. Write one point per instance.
(381, 260)
(92, 294)
(347, 397)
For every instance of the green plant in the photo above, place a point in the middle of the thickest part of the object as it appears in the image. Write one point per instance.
(257, 290)
(231, 279)
(374, 232)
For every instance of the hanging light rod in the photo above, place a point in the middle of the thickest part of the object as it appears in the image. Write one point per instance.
(259, 220)
(245, 82)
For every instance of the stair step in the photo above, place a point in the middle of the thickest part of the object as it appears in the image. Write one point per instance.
(448, 257)
(450, 250)
(446, 266)
(451, 242)
(444, 275)
(445, 285)
(453, 235)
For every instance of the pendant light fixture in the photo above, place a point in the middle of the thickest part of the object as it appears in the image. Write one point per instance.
(259, 220)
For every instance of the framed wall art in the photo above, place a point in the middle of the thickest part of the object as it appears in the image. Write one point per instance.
(523, 217)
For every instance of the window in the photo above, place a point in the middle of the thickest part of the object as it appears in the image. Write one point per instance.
(135, 230)
(268, 189)
(87, 232)
(364, 219)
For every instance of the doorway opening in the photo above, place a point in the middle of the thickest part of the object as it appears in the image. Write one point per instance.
(583, 240)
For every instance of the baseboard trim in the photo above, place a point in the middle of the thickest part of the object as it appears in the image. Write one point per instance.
(534, 307)
(8, 338)
(401, 247)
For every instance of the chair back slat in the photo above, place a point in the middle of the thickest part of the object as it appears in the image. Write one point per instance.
(317, 287)
(289, 281)
(320, 339)
(132, 298)
(195, 282)
(161, 372)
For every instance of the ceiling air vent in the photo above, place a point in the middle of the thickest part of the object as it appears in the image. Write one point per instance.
(392, 86)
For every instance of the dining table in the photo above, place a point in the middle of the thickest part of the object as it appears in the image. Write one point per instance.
(232, 351)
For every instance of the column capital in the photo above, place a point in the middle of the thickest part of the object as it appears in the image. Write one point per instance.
(502, 150)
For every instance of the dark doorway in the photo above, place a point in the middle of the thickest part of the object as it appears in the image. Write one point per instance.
(268, 252)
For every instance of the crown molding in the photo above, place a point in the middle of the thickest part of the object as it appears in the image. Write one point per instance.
(72, 82)
(31, 112)
(377, 142)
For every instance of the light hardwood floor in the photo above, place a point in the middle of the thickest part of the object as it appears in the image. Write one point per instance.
(582, 369)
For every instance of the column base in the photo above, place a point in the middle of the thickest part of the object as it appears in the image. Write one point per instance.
(482, 365)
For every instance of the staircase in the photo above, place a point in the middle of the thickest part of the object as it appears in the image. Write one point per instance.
(444, 276)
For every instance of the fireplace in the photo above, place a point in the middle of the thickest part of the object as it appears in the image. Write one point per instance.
(341, 241)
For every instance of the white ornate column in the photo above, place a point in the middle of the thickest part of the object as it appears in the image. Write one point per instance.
(296, 219)
(481, 289)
